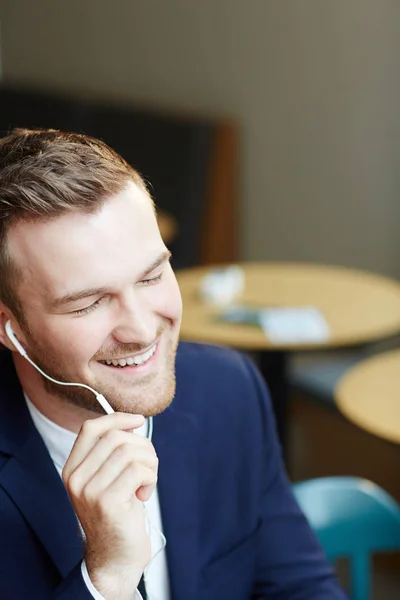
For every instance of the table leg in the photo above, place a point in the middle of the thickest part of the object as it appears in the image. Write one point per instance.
(273, 366)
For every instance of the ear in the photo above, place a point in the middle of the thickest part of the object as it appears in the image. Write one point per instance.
(7, 315)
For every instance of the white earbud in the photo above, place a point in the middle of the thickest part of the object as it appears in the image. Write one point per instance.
(11, 336)
(99, 397)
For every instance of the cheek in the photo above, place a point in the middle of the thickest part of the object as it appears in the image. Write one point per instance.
(75, 340)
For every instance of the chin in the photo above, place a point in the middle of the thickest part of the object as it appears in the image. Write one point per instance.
(149, 401)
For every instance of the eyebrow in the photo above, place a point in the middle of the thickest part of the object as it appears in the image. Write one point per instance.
(69, 298)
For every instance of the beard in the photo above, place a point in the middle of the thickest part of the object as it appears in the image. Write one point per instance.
(147, 396)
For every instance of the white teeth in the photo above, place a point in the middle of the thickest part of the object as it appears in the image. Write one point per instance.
(133, 360)
(148, 355)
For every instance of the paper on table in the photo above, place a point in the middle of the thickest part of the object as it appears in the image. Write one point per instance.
(291, 325)
(222, 285)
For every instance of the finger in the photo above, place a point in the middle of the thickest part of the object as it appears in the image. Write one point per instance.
(124, 487)
(135, 477)
(103, 464)
(90, 433)
(144, 492)
(133, 447)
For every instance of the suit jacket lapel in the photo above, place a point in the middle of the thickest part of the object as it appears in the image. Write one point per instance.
(31, 480)
(174, 438)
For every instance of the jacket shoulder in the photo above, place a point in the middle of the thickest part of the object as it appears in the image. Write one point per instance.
(199, 356)
(220, 377)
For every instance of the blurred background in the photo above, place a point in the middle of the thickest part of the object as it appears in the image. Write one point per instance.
(269, 131)
(313, 86)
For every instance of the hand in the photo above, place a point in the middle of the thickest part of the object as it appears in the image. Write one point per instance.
(108, 475)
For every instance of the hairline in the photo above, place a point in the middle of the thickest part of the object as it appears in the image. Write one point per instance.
(15, 272)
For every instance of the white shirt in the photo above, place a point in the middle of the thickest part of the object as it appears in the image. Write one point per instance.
(59, 442)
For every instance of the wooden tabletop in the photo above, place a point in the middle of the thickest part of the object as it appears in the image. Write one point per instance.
(358, 306)
(167, 225)
(369, 395)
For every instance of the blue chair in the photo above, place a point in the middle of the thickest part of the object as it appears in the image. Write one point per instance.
(352, 518)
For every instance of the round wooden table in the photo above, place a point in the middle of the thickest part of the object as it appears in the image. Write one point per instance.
(359, 307)
(369, 395)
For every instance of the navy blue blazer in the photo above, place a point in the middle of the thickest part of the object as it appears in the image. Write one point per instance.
(233, 528)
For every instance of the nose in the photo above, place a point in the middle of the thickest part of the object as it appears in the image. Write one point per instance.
(136, 322)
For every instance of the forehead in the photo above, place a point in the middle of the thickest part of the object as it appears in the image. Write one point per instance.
(77, 250)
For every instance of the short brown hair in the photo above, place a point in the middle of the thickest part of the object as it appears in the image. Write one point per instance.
(46, 173)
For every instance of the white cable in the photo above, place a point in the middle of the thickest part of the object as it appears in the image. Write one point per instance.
(99, 397)
(151, 526)
(107, 408)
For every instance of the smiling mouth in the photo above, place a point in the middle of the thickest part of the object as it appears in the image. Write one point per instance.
(130, 361)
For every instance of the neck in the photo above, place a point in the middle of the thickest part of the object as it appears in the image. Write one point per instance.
(51, 406)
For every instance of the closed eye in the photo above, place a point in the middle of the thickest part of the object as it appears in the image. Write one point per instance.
(84, 311)
(152, 280)
(88, 309)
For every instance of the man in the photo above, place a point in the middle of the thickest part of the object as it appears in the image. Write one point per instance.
(89, 292)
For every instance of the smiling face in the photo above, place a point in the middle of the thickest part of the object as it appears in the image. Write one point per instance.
(101, 304)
